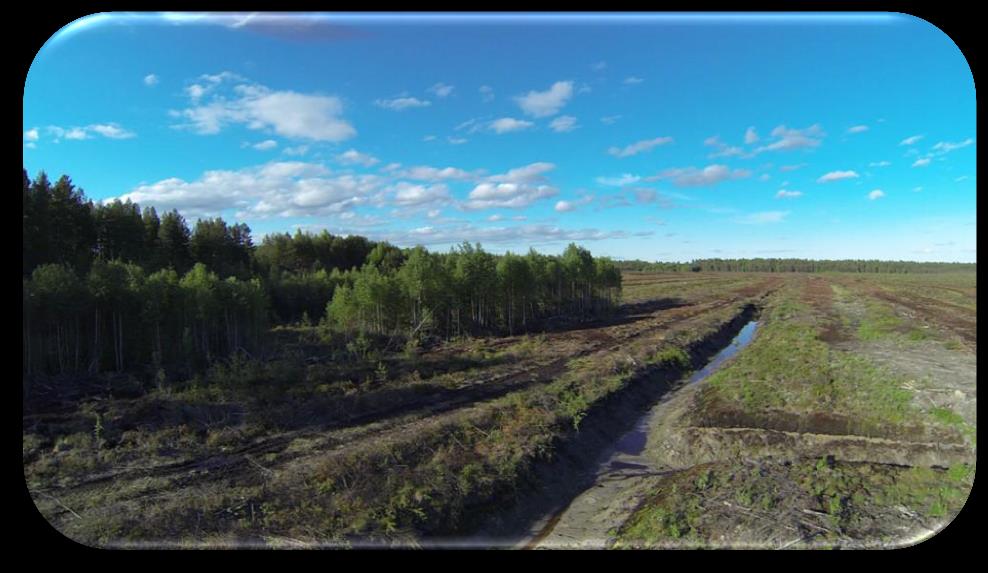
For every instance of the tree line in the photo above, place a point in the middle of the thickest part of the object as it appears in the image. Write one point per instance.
(111, 287)
(775, 265)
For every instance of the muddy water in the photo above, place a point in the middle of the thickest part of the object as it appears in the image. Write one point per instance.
(625, 473)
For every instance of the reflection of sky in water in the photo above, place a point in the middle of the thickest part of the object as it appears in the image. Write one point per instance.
(633, 443)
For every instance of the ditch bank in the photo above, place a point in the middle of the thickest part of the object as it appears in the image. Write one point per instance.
(551, 485)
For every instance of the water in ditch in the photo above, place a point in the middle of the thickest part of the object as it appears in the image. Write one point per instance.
(591, 517)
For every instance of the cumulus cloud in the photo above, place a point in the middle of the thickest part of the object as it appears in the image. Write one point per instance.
(724, 150)
(354, 157)
(108, 130)
(638, 147)
(286, 113)
(427, 173)
(922, 162)
(150, 80)
(277, 189)
(519, 234)
(911, 140)
(787, 139)
(563, 124)
(441, 90)
(837, 176)
(620, 181)
(509, 124)
(515, 189)
(786, 194)
(412, 195)
(401, 103)
(694, 177)
(549, 102)
(750, 136)
(31, 134)
(297, 150)
(567, 206)
(876, 194)
(763, 218)
(265, 145)
(857, 129)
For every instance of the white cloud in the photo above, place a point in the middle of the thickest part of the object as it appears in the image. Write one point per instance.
(837, 176)
(693, 177)
(486, 93)
(427, 173)
(150, 80)
(265, 145)
(750, 136)
(109, 130)
(565, 206)
(509, 124)
(517, 188)
(297, 150)
(786, 194)
(789, 139)
(946, 147)
(354, 157)
(429, 138)
(638, 147)
(495, 218)
(632, 80)
(876, 194)
(277, 189)
(549, 102)
(609, 119)
(879, 164)
(410, 195)
(858, 129)
(31, 134)
(621, 181)
(287, 113)
(724, 150)
(922, 162)
(521, 235)
(563, 124)
(762, 218)
(911, 140)
(401, 103)
(456, 140)
(441, 90)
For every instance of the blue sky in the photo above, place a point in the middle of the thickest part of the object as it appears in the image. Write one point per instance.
(652, 137)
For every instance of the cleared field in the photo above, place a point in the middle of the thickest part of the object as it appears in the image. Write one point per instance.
(842, 395)
(316, 450)
(849, 421)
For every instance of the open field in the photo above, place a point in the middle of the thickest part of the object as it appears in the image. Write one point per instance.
(851, 414)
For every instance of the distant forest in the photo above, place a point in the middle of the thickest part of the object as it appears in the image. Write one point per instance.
(795, 266)
(112, 287)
